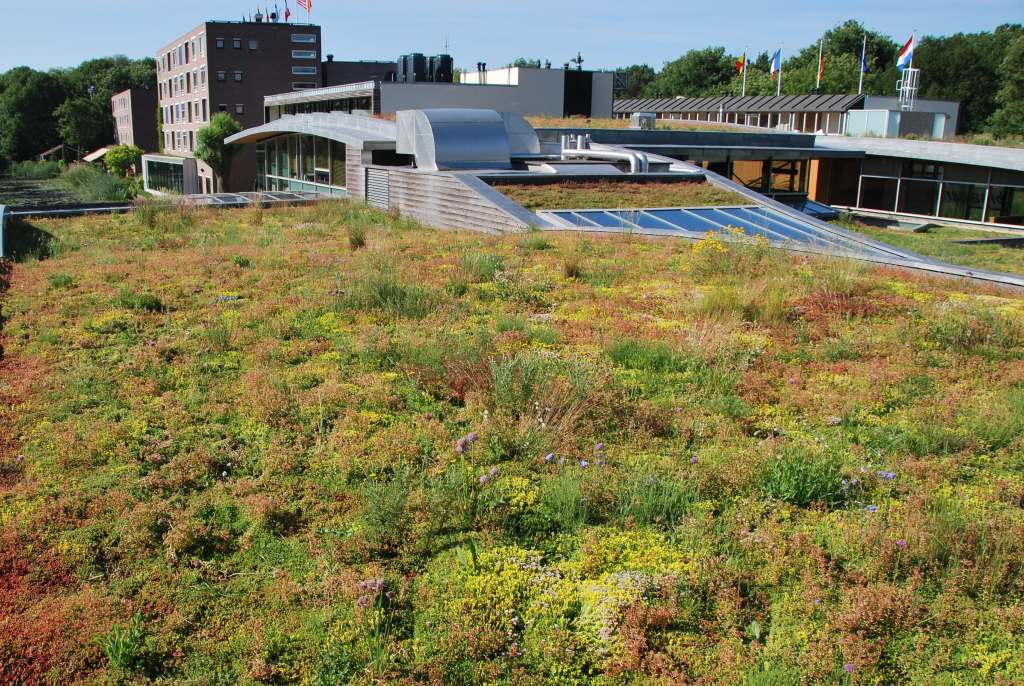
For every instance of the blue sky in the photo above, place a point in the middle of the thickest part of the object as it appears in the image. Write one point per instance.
(56, 33)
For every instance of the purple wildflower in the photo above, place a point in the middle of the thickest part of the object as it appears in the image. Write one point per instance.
(363, 601)
(494, 471)
(850, 668)
(548, 458)
(460, 445)
(600, 463)
(694, 460)
(21, 458)
(430, 415)
(390, 595)
(473, 438)
(792, 381)
(484, 479)
(600, 446)
(890, 475)
(901, 543)
(872, 508)
(584, 464)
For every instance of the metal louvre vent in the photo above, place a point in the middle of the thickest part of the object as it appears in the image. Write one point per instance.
(378, 191)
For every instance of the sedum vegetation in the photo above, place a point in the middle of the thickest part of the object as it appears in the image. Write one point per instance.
(325, 445)
(576, 195)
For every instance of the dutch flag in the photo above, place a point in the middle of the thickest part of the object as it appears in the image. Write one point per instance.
(906, 55)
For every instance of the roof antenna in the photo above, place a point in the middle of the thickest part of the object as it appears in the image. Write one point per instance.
(578, 61)
(446, 44)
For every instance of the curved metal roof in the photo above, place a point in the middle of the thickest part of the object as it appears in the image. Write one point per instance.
(364, 133)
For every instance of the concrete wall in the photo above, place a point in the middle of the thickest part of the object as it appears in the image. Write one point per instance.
(522, 100)
(950, 108)
(604, 95)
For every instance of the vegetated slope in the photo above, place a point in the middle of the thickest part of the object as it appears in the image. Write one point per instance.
(575, 195)
(451, 458)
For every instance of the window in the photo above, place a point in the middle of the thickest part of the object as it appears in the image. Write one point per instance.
(303, 38)
(304, 70)
(304, 54)
(188, 82)
(238, 76)
(222, 76)
(239, 108)
(181, 53)
(222, 107)
(220, 43)
(191, 141)
(204, 109)
(202, 45)
(188, 107)
(202, 77)
(174, 59)
(236, 43)
(194, 53)
(303, 85)
(254, 45)
(186, 53)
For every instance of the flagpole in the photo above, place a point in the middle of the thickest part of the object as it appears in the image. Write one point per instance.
(821, 43)
(863, 63)
(779, 91)
(913, 45)
(745, 71)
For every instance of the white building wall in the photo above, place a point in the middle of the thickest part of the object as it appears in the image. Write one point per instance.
(523, 99)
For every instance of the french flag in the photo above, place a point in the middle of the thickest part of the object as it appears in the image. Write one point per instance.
(906, 55)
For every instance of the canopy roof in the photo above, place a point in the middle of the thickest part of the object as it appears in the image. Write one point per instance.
(361, 132)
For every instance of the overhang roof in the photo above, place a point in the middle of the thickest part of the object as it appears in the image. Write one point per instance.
(745, 152)
(362, 132)
(750, 103)
(933, 151)
(348, 90)
(96, 154)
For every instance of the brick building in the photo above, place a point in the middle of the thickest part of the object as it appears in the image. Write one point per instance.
(135, 117)
(225, 66)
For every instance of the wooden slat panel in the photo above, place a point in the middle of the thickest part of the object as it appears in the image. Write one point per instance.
(442, 201)
(377, 189)
(355, 176)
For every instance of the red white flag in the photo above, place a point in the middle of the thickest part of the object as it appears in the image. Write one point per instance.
(305, 4)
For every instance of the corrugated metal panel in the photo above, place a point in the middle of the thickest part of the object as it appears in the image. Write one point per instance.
(750, 103)
(378, 188)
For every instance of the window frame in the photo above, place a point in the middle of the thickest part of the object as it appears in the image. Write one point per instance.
(304, 54)
(239, 108)
(304, 38)
(238, 77)
(236, 43)
(222, 76)
(254, 45)
(304, 71)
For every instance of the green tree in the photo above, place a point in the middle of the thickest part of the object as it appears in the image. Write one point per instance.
(27, 101)
(211, 148)
(524, 63)
(1009, 118)
(841, 50)
(119, 160)
(641, 77)
(79, 121)
(966, 67)
(696, 73)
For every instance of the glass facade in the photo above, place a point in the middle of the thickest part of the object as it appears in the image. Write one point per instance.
(932, 189)
(297, 162)
(165, 176)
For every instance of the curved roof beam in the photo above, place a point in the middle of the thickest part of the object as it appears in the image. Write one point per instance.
(364, 133)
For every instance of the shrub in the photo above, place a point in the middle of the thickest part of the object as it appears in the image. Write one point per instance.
(94, 185)
(653, 500)
(126, 300)
(119, 159)
(656, 356)
(480, 267)
(60, 280)
(35, 170)
(801, 477)
(518, 381)
(572, 264)
(356, 235)
(730, 253)
(123, 647)
(386, 292)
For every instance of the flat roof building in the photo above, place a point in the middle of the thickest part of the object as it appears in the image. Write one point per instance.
(830, 114)
(226, 66)
(527, 92)
(135, 118)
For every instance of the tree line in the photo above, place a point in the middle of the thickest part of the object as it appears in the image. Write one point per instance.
(42, 109)
(983, 71)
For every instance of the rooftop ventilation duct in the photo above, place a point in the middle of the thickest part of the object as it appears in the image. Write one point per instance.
(522, 138)
(454, 139)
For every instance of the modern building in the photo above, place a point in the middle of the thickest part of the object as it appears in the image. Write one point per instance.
(225, 66)
(341, 73)
(909, 179)
(828, 114)
(527, 92)
(135, 118)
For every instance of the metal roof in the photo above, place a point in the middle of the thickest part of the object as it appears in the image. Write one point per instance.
(750, 103)
(933, 151)
(348, 90)
(364, 133)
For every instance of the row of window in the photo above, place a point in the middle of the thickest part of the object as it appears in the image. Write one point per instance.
(982, 203)
(185, 53)
(183, 114)
(287, 160)
(184, 84)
